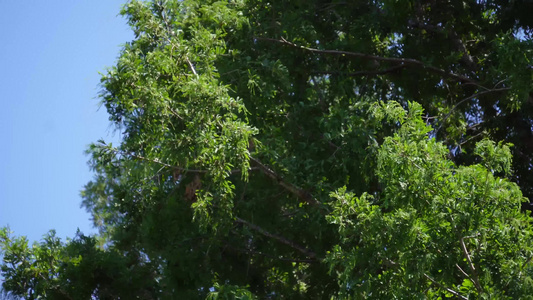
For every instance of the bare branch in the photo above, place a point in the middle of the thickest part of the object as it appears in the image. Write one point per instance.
(447, 289)
(462, 271)
(471, 265)
(279, 238)
(298, 192)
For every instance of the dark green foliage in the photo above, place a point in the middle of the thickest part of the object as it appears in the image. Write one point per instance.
(306, 150)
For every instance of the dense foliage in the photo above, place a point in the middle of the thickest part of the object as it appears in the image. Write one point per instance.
(306, 150)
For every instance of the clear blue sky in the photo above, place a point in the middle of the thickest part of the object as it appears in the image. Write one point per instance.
(50, 55)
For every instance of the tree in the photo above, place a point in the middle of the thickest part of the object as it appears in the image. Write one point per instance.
(290, 149)
(77, 269)
(7, 296)
(435, 228)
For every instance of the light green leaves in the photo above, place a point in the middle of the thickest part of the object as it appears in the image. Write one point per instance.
(432, 224)
(495, 158)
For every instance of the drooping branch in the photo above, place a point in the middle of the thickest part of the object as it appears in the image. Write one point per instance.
(398, 61)
(298, 192)
(279, 238)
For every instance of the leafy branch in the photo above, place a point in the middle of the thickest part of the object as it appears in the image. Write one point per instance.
(398, 61)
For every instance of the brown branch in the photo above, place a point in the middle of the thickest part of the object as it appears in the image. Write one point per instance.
(362, 73)
(404, 61)
(279, 238)
(447, 289)
(298, 192)
(471, 264)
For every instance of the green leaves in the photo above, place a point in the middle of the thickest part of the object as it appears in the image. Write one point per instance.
(267, 143)
(164, 92)
(432, 224)
(495, 158)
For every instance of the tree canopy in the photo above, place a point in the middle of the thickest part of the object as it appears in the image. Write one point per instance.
(306, 150)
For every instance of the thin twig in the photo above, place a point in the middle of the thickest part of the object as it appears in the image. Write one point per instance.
(526, 262)
(156, 161)
(471, 138)
(466, 99)
(454, 38)
(170, 32)
(279, 238)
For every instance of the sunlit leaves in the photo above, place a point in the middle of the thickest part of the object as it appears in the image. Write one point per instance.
(432, 220)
